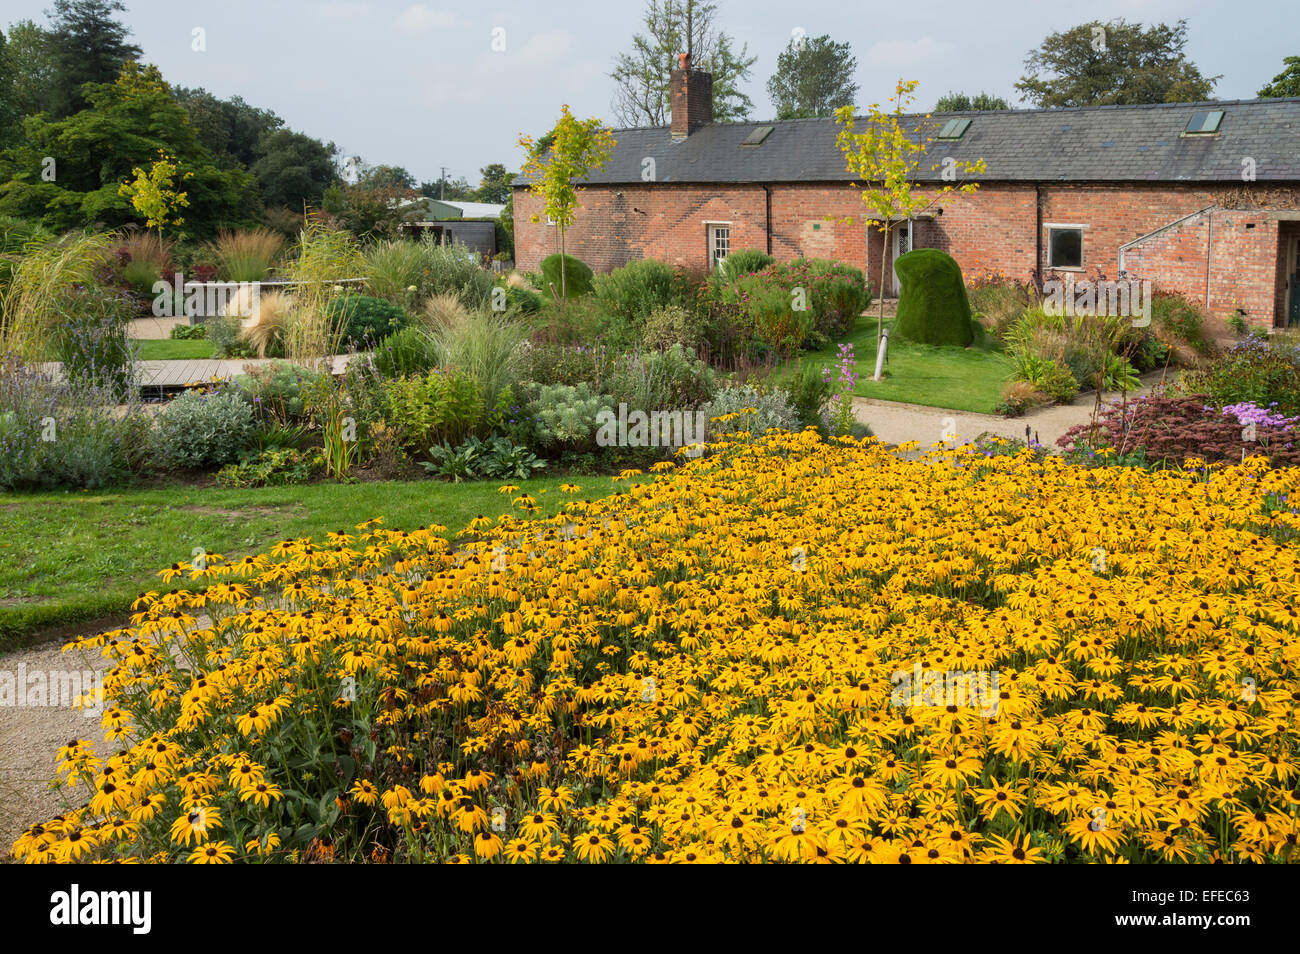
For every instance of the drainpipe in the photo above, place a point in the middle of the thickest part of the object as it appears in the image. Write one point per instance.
(767, 217)
(1038, 238)
(1209, 244)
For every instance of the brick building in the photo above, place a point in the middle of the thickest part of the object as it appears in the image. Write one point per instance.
(1201, 198)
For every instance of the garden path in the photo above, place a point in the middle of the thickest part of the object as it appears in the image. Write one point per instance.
(31, 736)
(896, 423)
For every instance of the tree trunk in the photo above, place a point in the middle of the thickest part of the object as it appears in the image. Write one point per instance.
(564, 294)
(880, 314)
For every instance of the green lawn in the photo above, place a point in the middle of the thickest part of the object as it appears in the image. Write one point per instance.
(172, 349)
(66, 557)
(965, 379)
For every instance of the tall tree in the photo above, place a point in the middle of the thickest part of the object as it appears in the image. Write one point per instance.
(294, 169)
(231, 128)
(494, 186)
(1114, 63)
(641, 75)
(1286, 83)
(125, 125)
(31, 61)
(8, 111)
(813, 77)
(385, 177)
(961, 103)
(88, 45)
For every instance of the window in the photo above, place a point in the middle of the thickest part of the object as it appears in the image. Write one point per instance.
(1065, 246)
(954, 129)
(719, 244)
(1204, 123)
(758, 135)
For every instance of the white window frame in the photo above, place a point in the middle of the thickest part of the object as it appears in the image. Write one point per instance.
(710, 233)
(1048, 227)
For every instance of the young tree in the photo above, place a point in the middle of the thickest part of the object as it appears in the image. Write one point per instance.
(156, 194)
(813, 78)
(641, 76)
(961, 103)
(1115, 63)
(885, 159)
(1286, 83)
(88, 45)
(578, 147)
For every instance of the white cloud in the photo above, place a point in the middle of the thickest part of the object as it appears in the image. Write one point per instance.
(420, 16)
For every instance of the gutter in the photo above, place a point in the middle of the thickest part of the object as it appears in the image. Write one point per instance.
(767, 216)
(1209, 245)
(1038, 237)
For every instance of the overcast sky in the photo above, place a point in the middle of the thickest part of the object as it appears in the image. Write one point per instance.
(419, 84)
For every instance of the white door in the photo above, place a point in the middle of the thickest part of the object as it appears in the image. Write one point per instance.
(719, 245)
(902, 245)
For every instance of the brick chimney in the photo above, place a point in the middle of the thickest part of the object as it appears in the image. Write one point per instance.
(692, 97)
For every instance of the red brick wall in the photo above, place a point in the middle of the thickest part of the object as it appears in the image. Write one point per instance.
(1240, 249)
(990, 230)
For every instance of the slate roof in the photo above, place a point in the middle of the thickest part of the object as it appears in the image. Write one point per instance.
(1080, 144)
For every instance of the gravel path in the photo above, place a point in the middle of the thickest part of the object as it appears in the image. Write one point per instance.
(895, 423)
(30, 737)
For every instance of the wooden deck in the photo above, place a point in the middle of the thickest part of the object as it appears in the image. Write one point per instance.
(207, 370)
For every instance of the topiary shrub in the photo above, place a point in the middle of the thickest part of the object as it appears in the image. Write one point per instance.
(933, 308)
(577, 276)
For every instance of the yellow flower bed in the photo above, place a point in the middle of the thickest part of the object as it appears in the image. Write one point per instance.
(731, 662)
